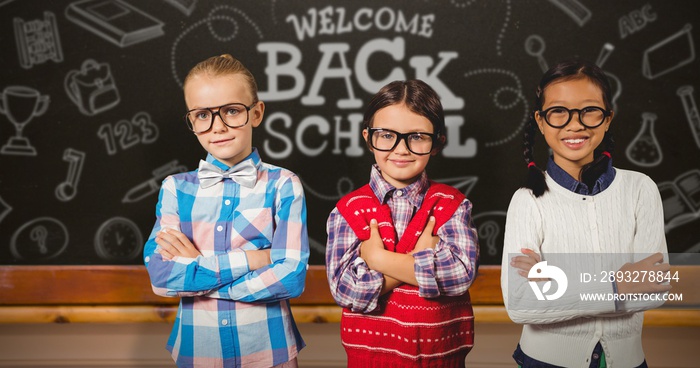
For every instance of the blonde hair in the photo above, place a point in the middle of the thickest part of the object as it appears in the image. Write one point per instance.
(222, 65)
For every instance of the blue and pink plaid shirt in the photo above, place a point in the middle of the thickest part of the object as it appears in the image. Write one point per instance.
(230, 316)
(447, 270)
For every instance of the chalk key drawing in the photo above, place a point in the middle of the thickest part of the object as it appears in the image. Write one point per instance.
(681, 199)
(691, 111)
(115, 21)
(5, 209)
(185, 6)
(152, 185)
(67, 190)
(644, 150)
(38, 41)
(20, 104)
(118, 239)
(216, 13)
(128, 133)
(40, 239)
(92, 88)
(534, 46)
(574, 9)
(669, 54)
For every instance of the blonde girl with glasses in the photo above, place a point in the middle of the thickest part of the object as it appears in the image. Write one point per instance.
(230, 238)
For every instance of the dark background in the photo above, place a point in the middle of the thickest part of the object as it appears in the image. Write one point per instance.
(44, 223)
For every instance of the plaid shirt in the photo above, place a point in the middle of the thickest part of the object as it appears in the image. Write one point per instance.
(229, 315)
(448, 270)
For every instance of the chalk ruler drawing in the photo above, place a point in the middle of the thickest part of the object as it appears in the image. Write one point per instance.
(574, 9)
(21, 104)
(114, 21)
(38, 41)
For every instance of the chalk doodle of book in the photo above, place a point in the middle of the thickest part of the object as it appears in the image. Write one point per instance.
(574, 9)
(38, 41)
(185, 6)
(118, 239)
(92, 88)
(40, 239)
(681, 199)
(669, 54)
(20, 104)
(114, 21)
(68, 189)
(645, 150)
(152, 185)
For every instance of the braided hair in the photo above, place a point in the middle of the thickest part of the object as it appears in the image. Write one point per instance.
(567, 70)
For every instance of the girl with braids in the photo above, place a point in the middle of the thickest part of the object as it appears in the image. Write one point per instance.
(581, 204)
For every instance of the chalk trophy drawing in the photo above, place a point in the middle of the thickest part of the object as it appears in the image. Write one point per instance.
(216, 13)
(463, 183)
(115, 21)
(129, 133)
(5, 209)
(185, 6)
(67, 190)
(669, 54)
(615, 83)
(644, 150)
(38, 41)
(691, 111)
(20, 104)
(92, 88)
(40, 239)
(490, 228)
(573, 8)
(343, 187)
(681, 199)
(152, 185)
(519, 98)
(534, 46)
(118, 239)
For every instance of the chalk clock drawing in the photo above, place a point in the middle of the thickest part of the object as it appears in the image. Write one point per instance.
(216, 13)
(118, 239)
(40, 239)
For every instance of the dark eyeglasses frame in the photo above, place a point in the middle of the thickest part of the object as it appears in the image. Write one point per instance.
(543, 114)
(399, 137)
(216, 113)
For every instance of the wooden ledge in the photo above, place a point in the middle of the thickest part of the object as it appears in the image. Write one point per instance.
(302, 314)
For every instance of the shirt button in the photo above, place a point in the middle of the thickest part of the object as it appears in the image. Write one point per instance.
(227, 202)
(219, 228)
(399, 193)
(224, 322)
(148, 259)
(596, 356)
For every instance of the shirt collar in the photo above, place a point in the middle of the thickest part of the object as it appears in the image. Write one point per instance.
(255, 156)
(563, 178)
(383, 190)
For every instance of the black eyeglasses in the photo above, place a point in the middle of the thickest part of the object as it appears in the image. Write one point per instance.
(419, 143)
(233, 115)
(559, 116)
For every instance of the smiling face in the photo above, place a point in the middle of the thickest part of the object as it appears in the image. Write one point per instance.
(228, 145)
(399, 166)
(573, 145)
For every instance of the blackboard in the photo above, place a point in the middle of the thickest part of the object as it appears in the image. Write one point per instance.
(91, 104)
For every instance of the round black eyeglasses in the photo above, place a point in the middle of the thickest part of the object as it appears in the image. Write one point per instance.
(559, 116)
(233, 115)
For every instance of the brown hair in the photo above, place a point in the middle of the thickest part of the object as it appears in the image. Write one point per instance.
(223, 65)
(419, 97)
